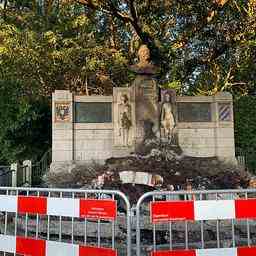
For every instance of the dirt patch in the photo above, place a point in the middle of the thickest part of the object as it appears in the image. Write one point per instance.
(158, 158)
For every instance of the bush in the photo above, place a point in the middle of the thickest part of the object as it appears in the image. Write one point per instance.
(25, 125)
(245, 129)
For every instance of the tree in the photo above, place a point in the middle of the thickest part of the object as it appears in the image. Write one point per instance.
(86, 46)
(25, 124)
(202, 46)
(199, 43)
(245, 129)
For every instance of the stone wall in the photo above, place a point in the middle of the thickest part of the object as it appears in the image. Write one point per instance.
(62, 126)
(208, 139)
(85, 128)
(80, 141)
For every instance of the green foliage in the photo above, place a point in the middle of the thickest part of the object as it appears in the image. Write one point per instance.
(86, 46)
(24, 127)
(60, 52)
(245, 128)
(202, 47)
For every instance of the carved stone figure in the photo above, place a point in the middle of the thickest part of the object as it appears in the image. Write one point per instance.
(124, 119)
(167, 118)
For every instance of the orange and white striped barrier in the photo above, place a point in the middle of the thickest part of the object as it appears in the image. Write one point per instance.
(68, 207)
(165, 211)
(241, 251)
(37, 247)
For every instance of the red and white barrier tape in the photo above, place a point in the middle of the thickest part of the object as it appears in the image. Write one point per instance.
(69, 207)
(163, 211)
(241, 251)
(36, 247)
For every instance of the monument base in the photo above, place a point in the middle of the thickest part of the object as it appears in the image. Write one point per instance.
(95, 128)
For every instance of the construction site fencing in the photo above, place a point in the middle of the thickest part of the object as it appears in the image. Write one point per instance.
(70, 222)
(64, 222)
(196, 223)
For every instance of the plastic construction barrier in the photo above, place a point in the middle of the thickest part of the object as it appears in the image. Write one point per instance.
(37, 247)
(241, 251)
(193, 209)
(84, 222)
(202, 210)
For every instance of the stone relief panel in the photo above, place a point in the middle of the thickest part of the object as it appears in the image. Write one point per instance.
(167, 113)
(62, 112)
(124, 117)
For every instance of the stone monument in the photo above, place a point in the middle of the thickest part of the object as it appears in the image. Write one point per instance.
(96, 128)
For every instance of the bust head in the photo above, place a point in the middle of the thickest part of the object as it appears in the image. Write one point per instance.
(167, 97)
(144, 67)
(144, 53)
(124, 99)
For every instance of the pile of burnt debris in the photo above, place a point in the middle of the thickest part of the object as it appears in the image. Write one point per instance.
(156, 166)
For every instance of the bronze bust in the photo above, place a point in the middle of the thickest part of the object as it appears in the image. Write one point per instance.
(145, 66)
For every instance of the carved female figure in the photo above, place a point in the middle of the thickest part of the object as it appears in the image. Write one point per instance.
(124, 119)
(167, 119)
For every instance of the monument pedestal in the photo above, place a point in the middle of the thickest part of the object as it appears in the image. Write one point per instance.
(146, 107)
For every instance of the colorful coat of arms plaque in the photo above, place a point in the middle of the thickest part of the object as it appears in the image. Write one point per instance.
(62, 112)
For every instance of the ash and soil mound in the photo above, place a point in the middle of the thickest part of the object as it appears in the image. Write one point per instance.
(157, 158)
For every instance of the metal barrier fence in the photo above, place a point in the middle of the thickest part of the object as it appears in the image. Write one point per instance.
(64, 222)
(68, 222)
(198, 223)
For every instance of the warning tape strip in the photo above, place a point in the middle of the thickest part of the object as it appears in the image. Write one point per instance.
(240, 251)
(37, 247)
(68, 207)
(163, 211)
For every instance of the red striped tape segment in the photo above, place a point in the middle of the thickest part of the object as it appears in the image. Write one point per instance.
(36, 247)
(241, 251)
(70, 207)
(164, 211)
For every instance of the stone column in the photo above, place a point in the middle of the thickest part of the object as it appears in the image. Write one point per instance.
(147, 107)
(62, 126)
(224, 133)
(14, 169)
(27, 165)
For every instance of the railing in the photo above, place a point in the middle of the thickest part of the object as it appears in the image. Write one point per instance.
(23, 176)
(54, 222)
(197, 223)
(27, 174)
(5, 176)
(246, 158)
(40, 168)
(69, 222)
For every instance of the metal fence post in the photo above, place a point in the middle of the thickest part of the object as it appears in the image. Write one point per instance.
(14, 169)
(27, 165)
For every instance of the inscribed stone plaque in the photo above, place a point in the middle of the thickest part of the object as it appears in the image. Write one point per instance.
(194, 112)
(93, 112)
(225, 112)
